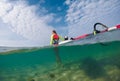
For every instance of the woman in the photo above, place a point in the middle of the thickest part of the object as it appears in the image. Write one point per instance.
(54, 38)
(55, 41)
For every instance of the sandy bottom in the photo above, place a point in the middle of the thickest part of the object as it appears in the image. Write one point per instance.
(87, 70)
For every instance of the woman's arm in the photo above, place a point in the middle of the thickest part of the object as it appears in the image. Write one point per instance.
(51, 40)
(61, 38)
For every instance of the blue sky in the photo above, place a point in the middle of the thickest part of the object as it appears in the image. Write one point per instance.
(30, 22)
(57, 7)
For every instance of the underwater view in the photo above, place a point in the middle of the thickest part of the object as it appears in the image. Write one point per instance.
(59, 40)
(82, 60)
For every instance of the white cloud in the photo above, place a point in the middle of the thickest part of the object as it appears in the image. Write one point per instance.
(24, 21)
(20, 43)
(67, 2)
(58, 19)
(82, 14)
(9, 38)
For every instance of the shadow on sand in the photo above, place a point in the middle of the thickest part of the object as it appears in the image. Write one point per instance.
(92, 68)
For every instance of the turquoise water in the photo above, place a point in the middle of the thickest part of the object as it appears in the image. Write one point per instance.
(89, 62)
(36, 63)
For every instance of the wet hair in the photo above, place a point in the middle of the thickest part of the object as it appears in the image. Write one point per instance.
(54, 31)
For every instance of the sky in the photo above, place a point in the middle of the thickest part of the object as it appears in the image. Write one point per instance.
(30, 22)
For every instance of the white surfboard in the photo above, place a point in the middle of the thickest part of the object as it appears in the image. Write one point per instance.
(65, 42)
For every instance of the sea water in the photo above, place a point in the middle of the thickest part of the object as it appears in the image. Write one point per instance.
(90, 59)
